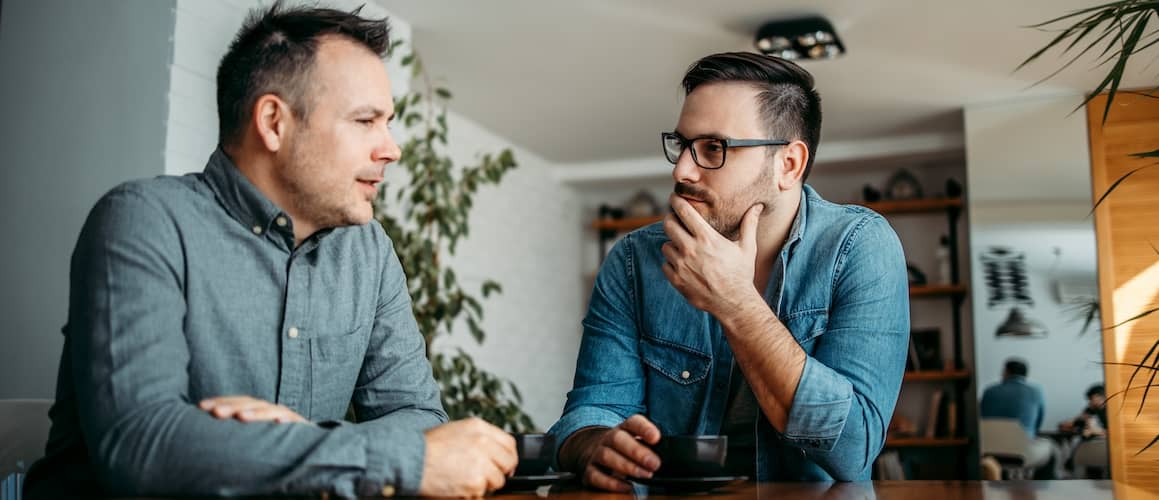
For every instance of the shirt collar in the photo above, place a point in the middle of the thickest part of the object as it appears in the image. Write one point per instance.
(240, 197)
(798, 227)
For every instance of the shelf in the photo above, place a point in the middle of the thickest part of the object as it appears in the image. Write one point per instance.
(930, 205)
(936, 290)
(936, 375)
(916, 442)
(626, 224)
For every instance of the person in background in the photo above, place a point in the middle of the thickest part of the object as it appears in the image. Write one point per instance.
(1092, 420)
(220, 324)
(1016, 398)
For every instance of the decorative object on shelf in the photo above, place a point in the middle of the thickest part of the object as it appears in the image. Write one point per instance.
(945, 273)
(1018, 325)
(953, 188)
(642, 205)
(1006, 281)
(607, 212)
(934, 414)
(869, 194)
(900, 426)
(427, 216)
(916, 276)
(927, 345)
(802, 38)
(903, 186)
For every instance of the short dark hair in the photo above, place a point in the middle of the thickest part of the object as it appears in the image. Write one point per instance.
(788, 102)
(1096, 390)
(273, 53)
(1016, 367)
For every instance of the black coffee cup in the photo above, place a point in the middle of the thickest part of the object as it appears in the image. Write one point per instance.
(691, 456)
(534, 453)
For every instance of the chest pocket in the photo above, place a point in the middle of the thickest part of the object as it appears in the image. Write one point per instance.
(675, 384)
(806, 326)
(335, 363)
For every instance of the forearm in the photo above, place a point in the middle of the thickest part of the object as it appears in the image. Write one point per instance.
(171, 447)
(768, 356)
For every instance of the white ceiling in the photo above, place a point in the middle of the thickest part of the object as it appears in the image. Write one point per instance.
(596, 80)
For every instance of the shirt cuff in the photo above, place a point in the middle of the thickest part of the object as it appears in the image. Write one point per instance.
(579, 418)
(394, 461)
(820, 407)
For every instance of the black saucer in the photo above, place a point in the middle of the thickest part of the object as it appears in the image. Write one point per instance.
(690, 484)
(529, 483)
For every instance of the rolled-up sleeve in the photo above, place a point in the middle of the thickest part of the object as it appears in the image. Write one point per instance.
(850, 383)
(129, 358)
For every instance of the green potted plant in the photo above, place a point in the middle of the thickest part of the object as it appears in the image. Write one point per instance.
(1113, 32)
(428, 216)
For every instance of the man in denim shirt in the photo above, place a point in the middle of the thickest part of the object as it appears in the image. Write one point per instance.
(221, 323)
(756, 309)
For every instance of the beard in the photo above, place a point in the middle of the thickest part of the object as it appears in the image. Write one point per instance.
(315, 193)
(725, 214)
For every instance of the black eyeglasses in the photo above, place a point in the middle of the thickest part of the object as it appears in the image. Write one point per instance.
(708, 152)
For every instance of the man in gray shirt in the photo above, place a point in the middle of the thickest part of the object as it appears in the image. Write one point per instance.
(221, 323)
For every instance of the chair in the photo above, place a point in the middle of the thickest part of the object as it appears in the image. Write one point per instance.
(1006, 441)
(24, 427)
(1092, 454)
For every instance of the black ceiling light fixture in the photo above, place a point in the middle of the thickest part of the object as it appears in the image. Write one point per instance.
(802, 38)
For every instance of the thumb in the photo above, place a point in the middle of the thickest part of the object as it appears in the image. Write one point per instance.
(748, 227)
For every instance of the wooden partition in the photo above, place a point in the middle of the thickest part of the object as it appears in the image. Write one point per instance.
(1127, 234)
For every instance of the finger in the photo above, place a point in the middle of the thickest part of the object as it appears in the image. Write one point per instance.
(639, 425)
(748, 228)
(211, 403)
(671, 255)
(277, 413)
(503, 456)
(495, 479)
(610, 459)
(696, 225)
(230, 410)
(676, 231)
(636, 453)
(596, 478)
(670, 273)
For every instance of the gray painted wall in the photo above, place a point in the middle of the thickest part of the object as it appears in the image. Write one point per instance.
(82, 108)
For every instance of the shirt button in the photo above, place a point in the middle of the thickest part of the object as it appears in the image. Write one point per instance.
(684, 374)
(281, 221)
(293, 333)
(257, 229)
(388, 491)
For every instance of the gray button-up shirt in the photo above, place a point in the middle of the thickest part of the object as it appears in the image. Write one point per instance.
(186, 288)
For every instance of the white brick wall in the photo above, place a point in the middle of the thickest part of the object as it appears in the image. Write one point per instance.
(524, 234)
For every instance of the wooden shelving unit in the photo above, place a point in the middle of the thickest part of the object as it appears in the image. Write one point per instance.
(931, 205)
(937, 290)
(627, 224)
(916, 442)
(936, 375)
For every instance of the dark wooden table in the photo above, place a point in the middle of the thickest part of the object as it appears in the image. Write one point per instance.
(879, 490)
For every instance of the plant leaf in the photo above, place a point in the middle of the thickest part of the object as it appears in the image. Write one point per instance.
(1116, 184)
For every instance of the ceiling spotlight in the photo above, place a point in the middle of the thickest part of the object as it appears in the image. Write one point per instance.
(801, 38)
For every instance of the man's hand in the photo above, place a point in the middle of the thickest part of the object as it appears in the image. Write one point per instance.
(467, 458)
(249, 409)
(604, 457)
(713, 273)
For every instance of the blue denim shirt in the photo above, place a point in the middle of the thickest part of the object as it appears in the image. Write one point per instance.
(839, 285)
(1015, 398)
(186, 288)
